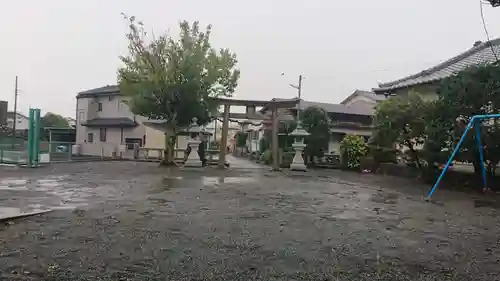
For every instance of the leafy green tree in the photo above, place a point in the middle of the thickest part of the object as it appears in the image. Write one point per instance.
(352, 149)
(316, 122)
(401, 122)
(53, 120)
(473, 91)
(171, 79)
(241, 139)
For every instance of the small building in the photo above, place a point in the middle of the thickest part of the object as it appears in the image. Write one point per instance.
(363, 98)
(21, 121)
(355, 118)
(71, 121)
(105, 124)
(427, 81)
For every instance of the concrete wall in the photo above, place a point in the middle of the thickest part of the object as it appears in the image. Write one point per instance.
(115, 137)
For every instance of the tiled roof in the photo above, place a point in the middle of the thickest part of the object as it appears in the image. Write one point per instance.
(101, 91)
(335, 108)
(480, 54)
(339, 108)
(110, 122)
(370, 95)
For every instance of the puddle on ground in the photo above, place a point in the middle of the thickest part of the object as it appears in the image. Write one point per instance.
(13, 184)
(213, 181)
(7, 212)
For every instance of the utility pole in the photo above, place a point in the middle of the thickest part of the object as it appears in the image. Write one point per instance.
(299, 89)
(15, 114)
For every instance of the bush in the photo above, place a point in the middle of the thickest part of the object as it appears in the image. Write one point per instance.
(267, 157)
(368, 163)
(353, 148)
(264, 144)
(383, 155)
(287, 159)
(241, 139)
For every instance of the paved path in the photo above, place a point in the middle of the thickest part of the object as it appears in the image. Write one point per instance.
(242, 163)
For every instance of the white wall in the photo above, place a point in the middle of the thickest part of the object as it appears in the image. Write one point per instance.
(22, 123)
(112, 107)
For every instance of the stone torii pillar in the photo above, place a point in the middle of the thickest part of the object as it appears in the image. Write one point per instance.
(223, 139)
(275, 144)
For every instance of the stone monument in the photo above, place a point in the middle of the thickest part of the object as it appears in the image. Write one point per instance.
(299, 135)
(193, 159)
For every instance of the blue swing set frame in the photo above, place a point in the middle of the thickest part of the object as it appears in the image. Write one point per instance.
(473, 123)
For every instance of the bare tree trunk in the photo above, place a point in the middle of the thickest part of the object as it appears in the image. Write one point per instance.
(168, 158)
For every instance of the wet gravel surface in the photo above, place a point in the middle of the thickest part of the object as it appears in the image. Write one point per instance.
(137, 221)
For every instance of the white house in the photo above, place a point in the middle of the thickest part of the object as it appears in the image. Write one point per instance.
(351, 116)
(21, 121)
(105, 125)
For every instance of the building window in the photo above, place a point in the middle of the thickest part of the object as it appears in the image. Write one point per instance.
(99, 106)
(81, 116)
(130, 142)
(102, 134)
(90, 137)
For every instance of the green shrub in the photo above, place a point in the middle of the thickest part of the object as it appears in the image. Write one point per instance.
(264, 144)
(287, 159)
(368, 163)
(267, 157)
(352, 149)
(241, 139)
(383, 155)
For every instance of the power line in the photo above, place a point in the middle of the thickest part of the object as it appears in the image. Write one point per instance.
(481, 3)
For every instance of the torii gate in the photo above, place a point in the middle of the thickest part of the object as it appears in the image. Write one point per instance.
(251, 114)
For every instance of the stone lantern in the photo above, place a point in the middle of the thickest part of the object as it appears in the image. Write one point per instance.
(299, 135)
(193, 160)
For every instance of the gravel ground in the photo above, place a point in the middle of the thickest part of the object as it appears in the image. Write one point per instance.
(137, 221)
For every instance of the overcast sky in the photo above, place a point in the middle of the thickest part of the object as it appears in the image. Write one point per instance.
(61, 47)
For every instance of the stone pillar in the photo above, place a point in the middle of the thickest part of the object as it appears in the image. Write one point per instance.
(223, 139)
(193, 159)
(299, 134)
(275, 144)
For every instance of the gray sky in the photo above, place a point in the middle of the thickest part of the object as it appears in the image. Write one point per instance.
(61, 47)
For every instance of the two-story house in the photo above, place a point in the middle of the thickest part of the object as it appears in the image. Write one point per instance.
(355, 118)
(21, 121)
(105, 126)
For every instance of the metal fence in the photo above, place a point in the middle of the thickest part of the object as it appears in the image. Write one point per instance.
(13, 157)
(59, 151)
